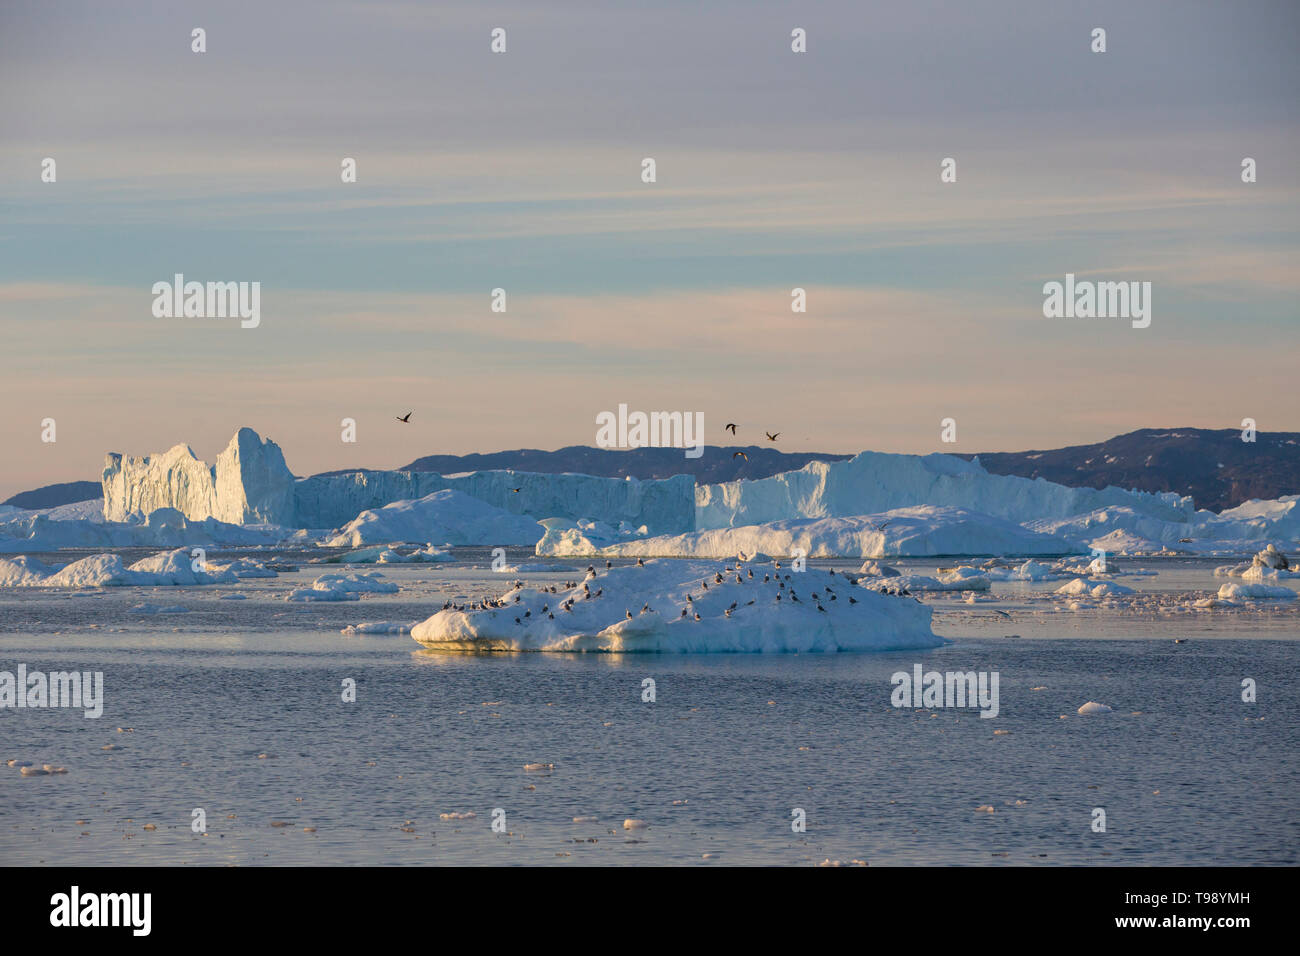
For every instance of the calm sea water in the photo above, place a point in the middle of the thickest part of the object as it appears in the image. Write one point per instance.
(1186, 772)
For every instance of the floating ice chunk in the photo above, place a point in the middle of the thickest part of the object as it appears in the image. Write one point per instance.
(157, 609)
(171, 568)
(343, 587)
(632, 824)
(1271, 557)
(1235, 592)
(1079, 587)
(377, 627)
(1092, 707)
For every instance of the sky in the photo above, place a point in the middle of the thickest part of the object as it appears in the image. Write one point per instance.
(521, 170)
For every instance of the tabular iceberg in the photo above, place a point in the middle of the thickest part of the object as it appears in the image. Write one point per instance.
(663, 505)
(920, 531)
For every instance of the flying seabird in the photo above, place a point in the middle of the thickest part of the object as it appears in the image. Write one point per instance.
(770, 436)
(403, 418)
(730, 426)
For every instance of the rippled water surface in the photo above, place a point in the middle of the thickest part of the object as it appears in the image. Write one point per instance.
(1186, 772)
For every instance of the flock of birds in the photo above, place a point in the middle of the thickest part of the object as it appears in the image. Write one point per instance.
(730, 426)
(784, 591)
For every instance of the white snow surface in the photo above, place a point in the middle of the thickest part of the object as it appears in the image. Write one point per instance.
(876, 622)
(447, 516)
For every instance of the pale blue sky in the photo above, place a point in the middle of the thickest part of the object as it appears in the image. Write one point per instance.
(521, 170)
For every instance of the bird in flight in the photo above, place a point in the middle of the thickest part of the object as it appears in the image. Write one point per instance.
(741, 454)
(770, 436)
(516, 490)
(404, 418)
(730, 426)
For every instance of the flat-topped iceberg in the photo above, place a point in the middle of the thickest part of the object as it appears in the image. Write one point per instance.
(918, 531)
(682, 606)
(875, 482)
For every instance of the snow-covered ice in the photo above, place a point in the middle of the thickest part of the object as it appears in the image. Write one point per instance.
(451, 517)
(640, 608)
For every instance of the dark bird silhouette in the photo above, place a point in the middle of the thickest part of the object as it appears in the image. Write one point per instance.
(403, 418)
(730, 426)
(770, 436)
(515, 490)
(740, 454)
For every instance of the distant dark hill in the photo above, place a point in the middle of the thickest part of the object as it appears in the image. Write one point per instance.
(715, 465)
(52, 496)
(1215, 467)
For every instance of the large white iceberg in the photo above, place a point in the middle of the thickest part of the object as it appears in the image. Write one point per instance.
(919, 531)
(654, 607)
(249, 484)
(875, 482)
(663, 505)
(445, 517)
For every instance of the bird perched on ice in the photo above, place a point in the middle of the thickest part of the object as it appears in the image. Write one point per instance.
(403, 418)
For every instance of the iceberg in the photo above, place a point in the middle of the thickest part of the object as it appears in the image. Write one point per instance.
(918, 531)
(663, 505)
(449, 517)
(249, 484)
(876, 482)
(163, 528)
(664, 606)
(166, 569)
